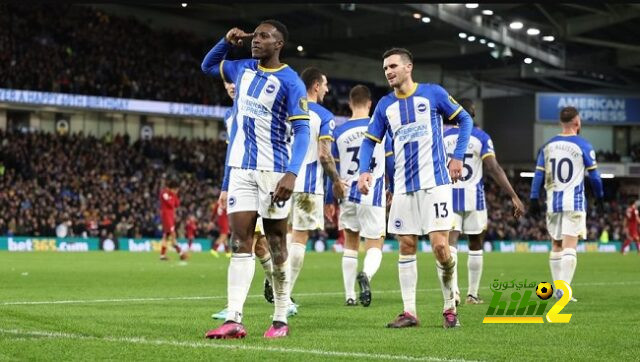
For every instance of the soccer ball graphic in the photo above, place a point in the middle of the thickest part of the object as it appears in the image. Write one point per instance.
(544, 290)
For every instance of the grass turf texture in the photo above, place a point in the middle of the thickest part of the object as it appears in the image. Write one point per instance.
(105, 324)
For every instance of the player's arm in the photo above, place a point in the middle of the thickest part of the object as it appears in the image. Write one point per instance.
(536, 183)
(589, 159)
(325, 155)
(214, 63)
(298, 112)
(493, 168)
(389, 162)
(375, 132)
(449, 108)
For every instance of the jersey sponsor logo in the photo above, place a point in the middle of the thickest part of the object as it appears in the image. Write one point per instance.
(304, 104)
(421, 108)
(253, 108)
(270, 88)
(411, 132)
(232, 201)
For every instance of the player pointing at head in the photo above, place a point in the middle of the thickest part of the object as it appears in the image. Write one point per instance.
(270, 98)
(422, 202)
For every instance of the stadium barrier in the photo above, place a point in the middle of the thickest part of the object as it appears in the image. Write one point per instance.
(73, 244)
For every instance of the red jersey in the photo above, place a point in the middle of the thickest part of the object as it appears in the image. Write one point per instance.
(220, 218)
(169, 202)
(190, 229)
(632, 220)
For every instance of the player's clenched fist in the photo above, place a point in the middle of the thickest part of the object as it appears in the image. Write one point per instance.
(235, 35)
(364, 183)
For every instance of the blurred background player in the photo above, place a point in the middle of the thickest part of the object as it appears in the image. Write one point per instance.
(269, 95)
(169, 202)
(469, 208)
(631, 224)
(422, 201)
(190, 229)
(219, 216)
(307, 201)
(361, 215)
(561, 165)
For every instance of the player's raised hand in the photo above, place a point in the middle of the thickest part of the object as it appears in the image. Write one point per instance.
(518, 207)
(284, 188)
(339, 189)
(235, 35)
(455, 170)
(364, 183)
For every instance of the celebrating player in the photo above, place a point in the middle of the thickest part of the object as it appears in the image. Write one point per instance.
(631, 223)
(262, 175)
(307, 199)
(169, 202)
(469, 209)
(361, 215)
(561, 165)
(422, 202)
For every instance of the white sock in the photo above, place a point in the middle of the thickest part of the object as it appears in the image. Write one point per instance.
(454, 255)
(349, 272)
(555, 263)
(408, 273)
(474, 264)
(239, 277)
(446, 272)
(296, 259)
(267, 265)
(569, 262)
(281, 290)
(372, 261)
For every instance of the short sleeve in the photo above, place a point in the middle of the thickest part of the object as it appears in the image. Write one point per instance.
(487, 147)
(588, 156)
(377, 125)
(327, 126)
(540, 162)
(297, 106)
(445, 104)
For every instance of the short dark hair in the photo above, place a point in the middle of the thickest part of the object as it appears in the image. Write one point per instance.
(310, 76)
(282, 29)
(567, 114)
(172, 182)
(466, 103)
(359, 95)
(400, 51)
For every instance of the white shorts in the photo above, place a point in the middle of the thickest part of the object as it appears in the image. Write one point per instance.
(571, 223)
(307, 211)
(250, 190)
(367, 219)
(470, 222)
(422, 211)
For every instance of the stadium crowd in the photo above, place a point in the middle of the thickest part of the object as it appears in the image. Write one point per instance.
(109, 186)
(100, 186)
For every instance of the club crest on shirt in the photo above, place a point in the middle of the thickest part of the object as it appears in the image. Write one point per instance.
(304, 104)
(421, 108)
(270, 88)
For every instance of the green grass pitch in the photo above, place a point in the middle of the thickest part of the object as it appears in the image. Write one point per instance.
(131, 306)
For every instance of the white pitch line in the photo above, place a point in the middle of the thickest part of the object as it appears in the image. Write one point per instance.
(215, 344)
(317, 294)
